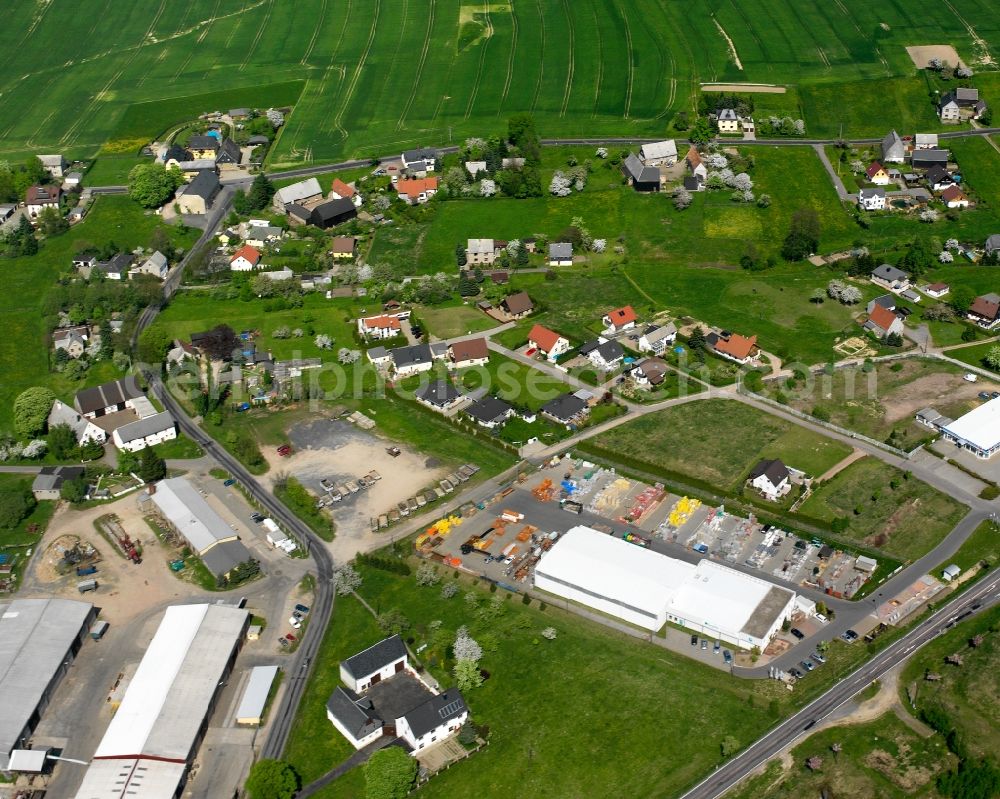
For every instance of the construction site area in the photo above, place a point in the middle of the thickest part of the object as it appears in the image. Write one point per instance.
(503, 537)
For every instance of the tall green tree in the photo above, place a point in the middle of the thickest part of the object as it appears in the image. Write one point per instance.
(62, 441)
(272, 779)
(152, 184)
(389, 774)
(31, 410)
(151, 466)
(16, 502)
(261, 193)
(153, 344)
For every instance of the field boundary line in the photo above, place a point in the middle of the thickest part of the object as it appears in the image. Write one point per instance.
(315, 36)
(260, 35)
(572, 59)
(510, 58)
(482, 61)
(420, 65)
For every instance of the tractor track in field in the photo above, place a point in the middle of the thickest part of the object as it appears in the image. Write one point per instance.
(145, 75)
(304, 61)
(510, 60)
(631, 64)
(342, 70)
(600, 62)
(847, 14)
(199, 40)
(260, 35)
(420, 65)
(349, 94)
(541, 55)
(567, 90)
(488, 35)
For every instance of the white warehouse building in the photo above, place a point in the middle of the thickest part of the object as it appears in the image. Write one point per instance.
(649, 589)
(150, 742)
(978, 431)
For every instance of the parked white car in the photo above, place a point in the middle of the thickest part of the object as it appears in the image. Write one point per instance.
(294, 622)
(970, 378)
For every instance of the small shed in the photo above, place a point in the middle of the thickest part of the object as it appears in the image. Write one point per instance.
(865, 564)
(251, 709)
(253, 632)
(951, 572)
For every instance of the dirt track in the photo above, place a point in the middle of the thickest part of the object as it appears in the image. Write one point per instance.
(748, 88)
(921, 55)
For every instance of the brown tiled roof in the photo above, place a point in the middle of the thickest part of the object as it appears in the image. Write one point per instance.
(737, 346)
(471, 349)
(412, 188)
(341, 189)
(985, 308)
(543, 337)
(518, 303)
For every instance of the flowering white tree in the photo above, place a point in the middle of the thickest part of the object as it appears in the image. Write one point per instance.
(850, 295)
(682, 199)
(346, 579)
(835, 288)
(466, 647)
(549, 633)
(513, 247)
(346, 356)
(475, 143)
(800, 127)
(602, 152)
(381, 202)
(963, 72)
(560, 185)
(599, 245)
(297, 333)
(859, 252)
(35, 449)
(929, 215)
(365, 273)
(323, 341)
(742, 182)
(427, 575)
(951, 244)
(748, 196)
(857, 166)
(487, 187)
(449, 590)
(945, 257)
(716, 161)
(727, 175)
(11, 452)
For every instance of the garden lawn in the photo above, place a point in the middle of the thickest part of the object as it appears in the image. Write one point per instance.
(970, 694)
(982, 545)
(587, 672)
(904, 521)
(515, 382)
(717, 442)
(979, 164)
(457, 320)
(25, 345)
(974, 355)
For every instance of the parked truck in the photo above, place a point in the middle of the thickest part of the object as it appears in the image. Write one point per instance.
(86, 585)
(83, 571)
(98, 630)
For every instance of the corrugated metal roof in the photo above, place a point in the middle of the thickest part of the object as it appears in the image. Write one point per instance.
(187, 510)
(255, 694)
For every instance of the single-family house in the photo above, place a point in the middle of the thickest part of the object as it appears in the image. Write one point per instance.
(547, 342)
(412, 360)
(117, 268)
(475, 167)
(925, 159)
(560, 253)
(771, 479)
(38, 198)
(155, 265)
(604, 354)
(567, 409)
(480, 251)
(245, 259)
(49, 481)
(619, 319)
(342, 191)
(73, 180)
(893, 148)
(734, 347)
(489, 412)
(883, 323)
(422, 159)
(175, 155)
(695, 166)
(306, 193)
(440, 396)
(639, 176)
(661, 153)
(649, 372)
(925, 141)
(961, 103)
(937, 290)
(985, 311)
(877, 174)
(55, 165)
(84, 429)
(74, 339)
(416, 190)
(871, 199)
(147, 432)
(954, 197)
(331, 213)
(728, 121)
(656, 338)
(517, 305)
(379, 327)
(229, 154)
(198, 195)
(889, 277)
(260, 235)
(992, 244)
(110, 397)
(470, 352)
(203, 146)
(885, 300)
(380, 357)
(343, 248)
(938, 178)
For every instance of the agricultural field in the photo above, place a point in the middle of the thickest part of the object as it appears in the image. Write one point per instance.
(587, 671)
(718, 441)
(882, 403)
(885, 509)
(26, 281)
(385, 76)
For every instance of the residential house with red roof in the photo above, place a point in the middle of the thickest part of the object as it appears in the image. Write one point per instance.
(619, 319)
(734, 347)
(418, 190)
(471, 352)
(954, 197)
(547, 342)
(342, 191)
(985, 311)
(245, 259)
(877, 174)
(883, 322)
(379, 327)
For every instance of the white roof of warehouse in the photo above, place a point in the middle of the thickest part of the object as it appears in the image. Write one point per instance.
(169, 695)
(188, 511)
(725, 599)
(35, 637)
(614, 568)
(255, 694)
(136, 779)
(660, 149)
(980, 426)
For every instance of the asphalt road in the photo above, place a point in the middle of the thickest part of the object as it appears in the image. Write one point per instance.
(777, 740)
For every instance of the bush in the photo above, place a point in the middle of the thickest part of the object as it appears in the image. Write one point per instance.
(384, 564)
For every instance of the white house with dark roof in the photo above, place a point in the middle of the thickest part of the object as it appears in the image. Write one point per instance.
(440, 396)
(378, 662)
(728, 121)
(656, 338)
(147, 432)
(155, 265)
(116, 395)
(489, 412)
(771, 479)
(889, 277)
(560, 253)
(871, 199)
(893, 148)
(84, 429)
(602, 353)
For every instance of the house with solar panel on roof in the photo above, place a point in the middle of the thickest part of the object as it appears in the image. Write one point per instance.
(382, 694)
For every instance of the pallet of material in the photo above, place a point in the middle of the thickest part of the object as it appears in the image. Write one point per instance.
(483, 544)
(373, 523)
(447, 485)
(439, 492)
(506, 492)
(373, 475)
(383, 521)
(524, 535)
(511, 516)
(353, 487)
(420, 500)
(510, 550)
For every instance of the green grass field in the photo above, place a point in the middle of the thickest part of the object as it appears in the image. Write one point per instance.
(719, 441)
(982, 545)
(456, 320)
(390, 74)
(884, 510)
